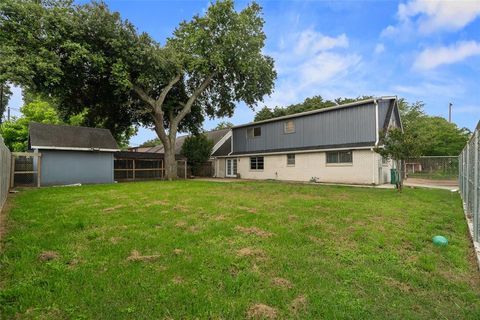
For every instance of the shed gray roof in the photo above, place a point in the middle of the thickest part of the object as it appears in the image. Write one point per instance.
(63, 137)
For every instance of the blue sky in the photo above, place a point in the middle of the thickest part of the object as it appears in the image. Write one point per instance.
(419, 50)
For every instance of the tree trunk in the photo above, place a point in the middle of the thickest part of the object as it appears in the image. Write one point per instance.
(170, 163)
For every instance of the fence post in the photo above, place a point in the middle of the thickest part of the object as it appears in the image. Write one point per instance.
(476, 188)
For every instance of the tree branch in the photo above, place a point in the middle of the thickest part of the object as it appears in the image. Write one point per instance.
(144, 96)
(163, 94)
(187, 107)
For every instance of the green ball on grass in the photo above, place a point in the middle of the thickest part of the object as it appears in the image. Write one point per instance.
(440, 241)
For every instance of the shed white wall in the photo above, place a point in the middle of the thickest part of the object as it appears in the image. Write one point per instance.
(366, 168)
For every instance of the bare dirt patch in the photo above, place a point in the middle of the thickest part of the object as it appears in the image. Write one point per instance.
(136, 256)
(254, 230)
(261, 311)
(48, 255)
(114, 208)
(73, 263)
(282, 283)
(251, 252)
(299, 304)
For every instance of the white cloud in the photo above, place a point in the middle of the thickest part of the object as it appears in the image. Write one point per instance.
(309, 64)
(379, 48)
(431, 58)
(428, 16)
(310, 41)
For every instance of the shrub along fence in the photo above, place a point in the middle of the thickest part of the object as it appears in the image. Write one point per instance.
(469, 181)
(5, 167)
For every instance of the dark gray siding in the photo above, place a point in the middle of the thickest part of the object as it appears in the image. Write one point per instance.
(68, 167)
(348, 126)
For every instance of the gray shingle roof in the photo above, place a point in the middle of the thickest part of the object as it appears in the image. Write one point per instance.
(49, 136)
(215, 135)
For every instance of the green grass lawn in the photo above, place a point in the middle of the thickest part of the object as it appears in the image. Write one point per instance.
(211, 250)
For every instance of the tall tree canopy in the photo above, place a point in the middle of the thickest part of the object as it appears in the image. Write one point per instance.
(313, 103)
(88, 57)
(435, 135)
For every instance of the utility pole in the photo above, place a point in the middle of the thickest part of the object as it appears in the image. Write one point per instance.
(450, 112)
(8, 114)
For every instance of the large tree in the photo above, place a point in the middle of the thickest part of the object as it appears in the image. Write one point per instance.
(90, 58)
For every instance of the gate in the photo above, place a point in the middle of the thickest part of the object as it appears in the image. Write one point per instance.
(26, 169)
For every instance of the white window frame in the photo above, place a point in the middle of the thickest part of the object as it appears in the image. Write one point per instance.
(338, 163)
(294, 160)
(256, 163)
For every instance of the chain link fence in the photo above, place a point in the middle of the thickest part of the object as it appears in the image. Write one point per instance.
(469, 180)
(5, 167)
(433, 167)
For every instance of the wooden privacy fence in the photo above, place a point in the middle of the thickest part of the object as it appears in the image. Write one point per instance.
(136, 166)
(469, 180)
(5, 168)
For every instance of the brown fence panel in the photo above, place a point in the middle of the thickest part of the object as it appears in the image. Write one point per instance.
(5, 172)
(205, 170)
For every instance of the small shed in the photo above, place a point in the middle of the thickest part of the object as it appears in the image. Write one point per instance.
(73, 154)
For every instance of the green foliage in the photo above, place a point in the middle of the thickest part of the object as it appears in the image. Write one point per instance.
(435, 135)
(88, 57)
(151, 143)
(223, 125)
(399, 145)
(197, 149)
(15, 131)
(313, 103)
(348, 253)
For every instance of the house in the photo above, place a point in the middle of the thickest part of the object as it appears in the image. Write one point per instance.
(327, 145)
(71, 154)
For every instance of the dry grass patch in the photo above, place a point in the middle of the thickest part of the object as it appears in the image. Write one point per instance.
(178, 280)
(299, 304)
(251, 252)
(254, 230)
(177, 251)
(402, 286)
(261, 311)
(219, 218)
(48, 256)
(181, 208)
(181, 224)
(115, 240)
(251, 210)
(136, 256)
(282, 283)
(120, 206)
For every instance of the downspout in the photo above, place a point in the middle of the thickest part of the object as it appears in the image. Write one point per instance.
(377, 138)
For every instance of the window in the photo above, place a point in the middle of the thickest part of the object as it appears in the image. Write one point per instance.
(290, 159)
(384, 161)
(289, 126)
(339, 157)
(256, 163)
(254, 132)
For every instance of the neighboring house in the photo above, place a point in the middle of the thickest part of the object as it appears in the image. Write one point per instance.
(327, 145)
(221, 146)
(71, 154)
